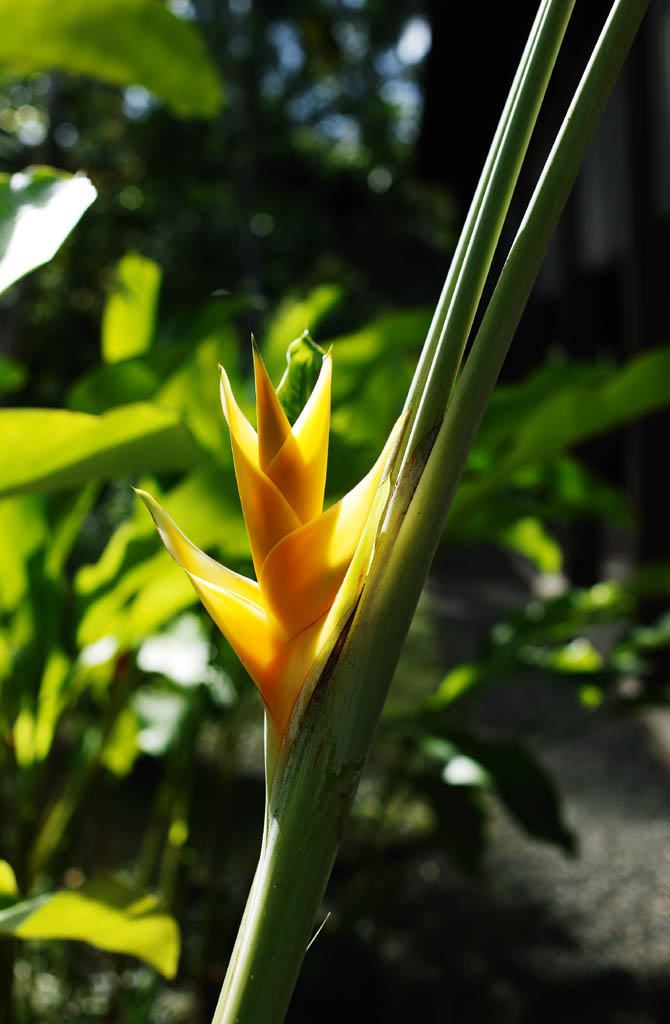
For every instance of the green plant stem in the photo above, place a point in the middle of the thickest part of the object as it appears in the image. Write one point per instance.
(317, 772)
(447, 336)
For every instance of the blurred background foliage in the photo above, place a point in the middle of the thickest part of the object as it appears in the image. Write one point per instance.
(273, 172)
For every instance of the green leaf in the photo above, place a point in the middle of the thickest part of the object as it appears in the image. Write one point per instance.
(23, 530)
(115, 384)
(39, 207)
(523, 785)
(510, 769)
(51, 701)
(130, 311)
(576, 413)
(531, 539)
(193, 391)
(579, 656)
(9, 890)
(108, 914)
(556, 408)
(305, 359)
(118, 41)
(48, 449)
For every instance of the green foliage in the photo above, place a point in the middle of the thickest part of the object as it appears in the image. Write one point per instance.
(513, 773)
(529, 536)
(23, 529)
(49, 449)
(9, 890)
(556, 407)
(39, 207)
(108, 914)
(130, 312)
(123, 42)
(549, 638)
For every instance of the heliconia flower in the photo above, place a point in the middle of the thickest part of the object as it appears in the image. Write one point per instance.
(285, 622)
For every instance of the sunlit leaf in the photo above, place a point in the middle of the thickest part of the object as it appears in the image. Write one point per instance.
(23, 529)
(118, 41)
(108, 914)
(9, 890)
(552, 410)
(579, 655)
(50, 702)
(130, 311)
(584, 410)
(193, 391)
(38, 207)
(47, 449)
(531, 539)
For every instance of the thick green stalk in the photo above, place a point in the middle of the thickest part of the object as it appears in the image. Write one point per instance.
(317, 772)
(445, 343)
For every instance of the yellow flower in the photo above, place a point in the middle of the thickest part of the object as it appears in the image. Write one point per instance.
(286, 620)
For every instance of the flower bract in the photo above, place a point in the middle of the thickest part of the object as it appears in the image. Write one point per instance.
(285, 621)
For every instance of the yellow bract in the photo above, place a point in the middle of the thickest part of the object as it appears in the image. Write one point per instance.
(280, 626)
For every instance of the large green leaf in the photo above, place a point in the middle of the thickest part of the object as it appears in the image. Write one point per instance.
(587, 409)
(113, 384)
(130, 312)
(529, 423)
(119, 41)
(108, 914)
(48, 449)
(38, 209)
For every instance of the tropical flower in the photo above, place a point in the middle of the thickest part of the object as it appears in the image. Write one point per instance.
(285, 622)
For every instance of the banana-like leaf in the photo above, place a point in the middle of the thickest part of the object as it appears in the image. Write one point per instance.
(528, 424)
(118, 41)
(49, 449)
(106, 913)
(38, 209)
(130, 312)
